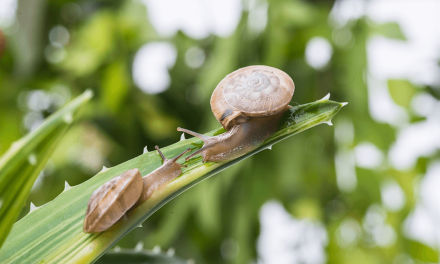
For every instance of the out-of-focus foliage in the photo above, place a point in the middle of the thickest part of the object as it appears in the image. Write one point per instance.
(140, 257)
(217, 221)
(26, 158)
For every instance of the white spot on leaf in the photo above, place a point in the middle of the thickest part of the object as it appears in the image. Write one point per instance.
(32, 158)
(68, 118)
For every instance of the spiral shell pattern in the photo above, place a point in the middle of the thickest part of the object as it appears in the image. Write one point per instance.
(258, 90)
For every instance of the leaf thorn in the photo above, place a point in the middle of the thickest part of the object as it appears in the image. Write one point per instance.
(326, 97)
(139, 246)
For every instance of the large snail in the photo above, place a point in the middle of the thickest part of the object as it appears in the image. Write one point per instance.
(113, 199)
(248, 103)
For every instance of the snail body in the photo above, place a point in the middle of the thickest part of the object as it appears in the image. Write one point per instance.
(112, 200)
(249, 103)
(169, 170)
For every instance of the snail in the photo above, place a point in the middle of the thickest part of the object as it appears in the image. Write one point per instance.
(113, 199)
(249, 103)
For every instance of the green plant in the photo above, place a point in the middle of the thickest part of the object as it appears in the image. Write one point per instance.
(53, 233)
(21, 164)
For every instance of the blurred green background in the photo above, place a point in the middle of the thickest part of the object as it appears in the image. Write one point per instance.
(363, 191)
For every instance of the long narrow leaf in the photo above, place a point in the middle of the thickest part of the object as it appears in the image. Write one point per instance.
(53, 233)
(21, 164)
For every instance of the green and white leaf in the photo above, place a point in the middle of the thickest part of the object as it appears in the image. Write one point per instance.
(53, 233)
(21, 164)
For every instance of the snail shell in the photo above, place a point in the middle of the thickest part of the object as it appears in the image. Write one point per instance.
(112, 200)
(253, 91)
(249, 103)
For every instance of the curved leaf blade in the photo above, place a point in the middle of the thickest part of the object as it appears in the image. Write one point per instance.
(21, 164)
(53, 234)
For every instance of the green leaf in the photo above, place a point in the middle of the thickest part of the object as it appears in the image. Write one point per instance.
(139, 257)
(422, 252)
(402, 91)
(53, 233)
(21, 164)
(389, 30)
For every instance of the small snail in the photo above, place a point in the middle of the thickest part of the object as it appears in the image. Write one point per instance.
(113, 199)
(249, 103)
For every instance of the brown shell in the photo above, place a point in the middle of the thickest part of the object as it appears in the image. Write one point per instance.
(110, 201)
(253, 91)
